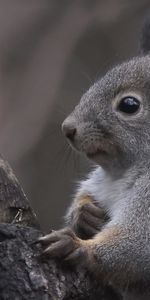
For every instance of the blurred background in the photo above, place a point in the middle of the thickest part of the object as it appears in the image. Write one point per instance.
(51, 51)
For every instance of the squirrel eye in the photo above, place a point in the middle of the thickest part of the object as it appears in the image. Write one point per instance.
(129, 105)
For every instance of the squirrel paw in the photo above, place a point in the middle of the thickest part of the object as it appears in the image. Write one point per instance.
(89, 220)
(63, 244)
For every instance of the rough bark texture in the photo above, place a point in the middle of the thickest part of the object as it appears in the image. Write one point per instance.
(23, 275)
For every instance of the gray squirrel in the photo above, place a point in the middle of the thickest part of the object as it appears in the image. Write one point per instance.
(108, 224)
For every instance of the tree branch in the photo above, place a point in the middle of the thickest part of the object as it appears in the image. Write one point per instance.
(23, 275)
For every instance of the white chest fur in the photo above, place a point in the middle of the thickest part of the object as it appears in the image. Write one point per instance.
(104, 190)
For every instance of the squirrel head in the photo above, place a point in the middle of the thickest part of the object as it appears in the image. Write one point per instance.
(111, 124)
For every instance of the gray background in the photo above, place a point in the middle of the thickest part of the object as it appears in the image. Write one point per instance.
(51, 51)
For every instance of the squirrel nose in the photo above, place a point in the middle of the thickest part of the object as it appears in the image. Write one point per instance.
(69, 129)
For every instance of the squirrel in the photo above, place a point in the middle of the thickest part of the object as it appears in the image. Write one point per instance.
(108, 224)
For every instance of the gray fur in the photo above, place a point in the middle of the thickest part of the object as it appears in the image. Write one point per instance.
(120, 146)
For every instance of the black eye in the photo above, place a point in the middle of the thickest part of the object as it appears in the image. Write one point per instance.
(129, 105)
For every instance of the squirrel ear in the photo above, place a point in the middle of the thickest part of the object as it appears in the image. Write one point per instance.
(145, 37)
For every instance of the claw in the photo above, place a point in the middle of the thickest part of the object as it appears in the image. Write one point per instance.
(56, 250)
(49, 238)
(75, 256)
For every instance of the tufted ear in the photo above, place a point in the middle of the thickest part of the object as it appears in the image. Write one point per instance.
(145, 37)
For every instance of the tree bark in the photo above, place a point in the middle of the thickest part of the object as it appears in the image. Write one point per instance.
(23, 274)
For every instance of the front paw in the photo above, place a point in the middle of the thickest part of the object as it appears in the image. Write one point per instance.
(65, 245)
(89, 220)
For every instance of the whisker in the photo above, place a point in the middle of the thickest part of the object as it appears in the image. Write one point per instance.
(68, 153)
(87, 76)
(60, 110)
(74, 162)
(60, 157)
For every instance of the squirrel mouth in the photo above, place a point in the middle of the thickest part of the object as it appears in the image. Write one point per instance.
(98, 152)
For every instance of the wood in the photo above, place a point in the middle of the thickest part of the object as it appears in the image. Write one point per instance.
(23, 274)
